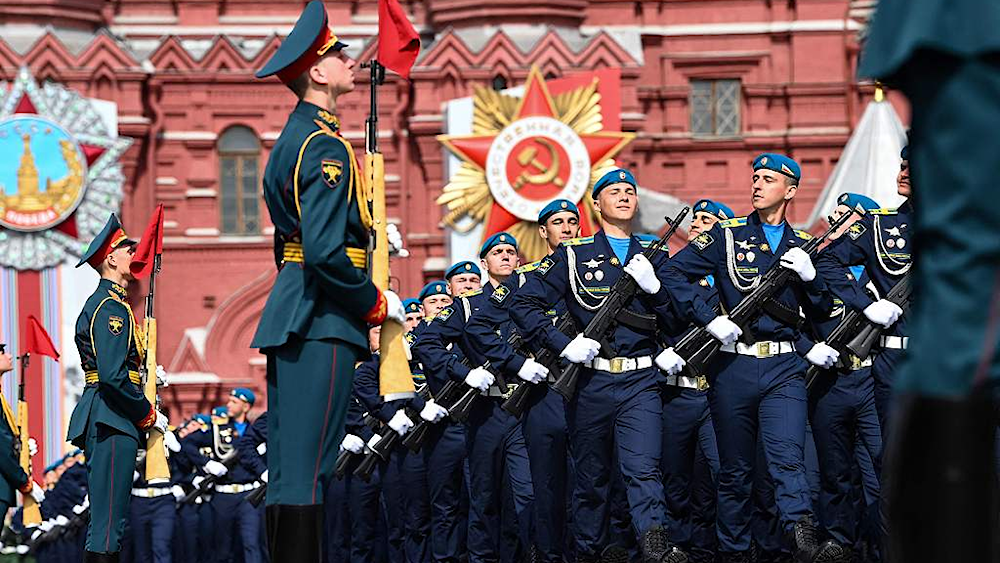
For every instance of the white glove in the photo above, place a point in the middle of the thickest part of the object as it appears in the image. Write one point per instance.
(78, 509)
(670, 362)
(642, 272)
(352, 444)
(400, 423)
(171, 442)
(532, 371)
(395, 241)
(86, 501)
(161, 376)
(216, 468)
(196, 481)
(263, 476)
(262, 448)
(46, 525)
(798, 261)
(34, 535)
(135, 476)
(433, 412)
(883, 312)
(724, 330)
(177, 491)
(37, 493)
(32, 447)
(822, 355)
(161, 422)
(23, 549)
(480, 379)
(394, 307)
(62, 520)
(580, 350)
(373, 441)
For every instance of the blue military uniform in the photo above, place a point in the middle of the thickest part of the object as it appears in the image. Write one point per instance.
(494, 440)
(107, 420)
(755, 389)
(12, 477)
(617, 406)
(308, 330)
(153, 511)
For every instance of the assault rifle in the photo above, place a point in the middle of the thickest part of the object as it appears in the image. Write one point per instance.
(855, 334)
(518, 400)
(698, 346)
(463, 406)
(384, 446)
(207, 485)
(345, 457)
(607, 317)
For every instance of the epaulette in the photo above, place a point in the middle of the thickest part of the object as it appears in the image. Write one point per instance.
(578, 241)
(471, 293)
(802, 234)
(528, 267)
(648, 243)
(734, 222)
(883, 211)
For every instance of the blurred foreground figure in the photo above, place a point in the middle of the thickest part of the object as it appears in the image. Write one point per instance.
(945, 56)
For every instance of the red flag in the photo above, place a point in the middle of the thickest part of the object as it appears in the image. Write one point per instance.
(149, 246)
(37, 341)
(398, 42)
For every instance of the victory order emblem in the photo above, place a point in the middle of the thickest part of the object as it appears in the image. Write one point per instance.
(59, 173)
(525, 152)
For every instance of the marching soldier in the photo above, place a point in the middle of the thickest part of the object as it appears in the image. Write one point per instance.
(309, 330)
(494, 441)
(153, 511)
(414, 313)
(617, 404)
(108, 420)
(13, 477)
(544, 423)
(757, 389)
(463, 277)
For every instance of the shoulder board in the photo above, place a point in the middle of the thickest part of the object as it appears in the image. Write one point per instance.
(648, 243)
(883, 211)
(471, 293)
(734, 222)
(802, 234)
(578, 241)
(528, 267)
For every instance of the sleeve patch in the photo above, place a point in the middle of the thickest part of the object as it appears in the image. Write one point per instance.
(545, 265)
(500, 294)
(332, 170)
(702, 241)
(856, 230)
(116, 324)
(444, 314)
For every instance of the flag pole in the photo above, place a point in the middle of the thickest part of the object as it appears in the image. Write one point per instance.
(157, 470)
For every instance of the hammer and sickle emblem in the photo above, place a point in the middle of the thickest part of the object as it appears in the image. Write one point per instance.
(529, 158)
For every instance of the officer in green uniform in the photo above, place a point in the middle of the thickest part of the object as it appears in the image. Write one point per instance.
(314, 325)
(108, 420)
(12, 477)
(943, 54)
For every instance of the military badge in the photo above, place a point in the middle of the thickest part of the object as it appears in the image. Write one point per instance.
(765, 248)
(115, 324)
(614, 261)
(332, 171)
(500, 293)
(545, 265)
(445, 314)
(856, 230)
(328, 117)
(890, 243)
(702, 241)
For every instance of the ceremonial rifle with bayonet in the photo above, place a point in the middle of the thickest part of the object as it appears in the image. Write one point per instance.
(613, 310)
(31, 514)
(698, 346)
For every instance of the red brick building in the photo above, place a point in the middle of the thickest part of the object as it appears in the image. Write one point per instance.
(706, 84)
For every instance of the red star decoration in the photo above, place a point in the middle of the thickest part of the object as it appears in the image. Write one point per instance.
(90, 152)
(536, 102)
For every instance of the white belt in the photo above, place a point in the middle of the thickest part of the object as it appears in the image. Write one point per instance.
(620, 365)
(700, 383)
(765, 349)
(233, 489)
(894, 342)
(151, 492)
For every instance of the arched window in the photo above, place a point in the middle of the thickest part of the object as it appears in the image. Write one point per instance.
(239, 153)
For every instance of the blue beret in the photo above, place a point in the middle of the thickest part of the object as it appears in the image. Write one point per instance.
(245, 394)
(53, 466)
(496, 240)
(202, 418)
(779, 163)
(463, 267)
(854, 200)
(411, 305)
(220, 412)
(557, 206)
(111, 237)
(905, 153)
(309, 40)
(615, 176)
(438, 287)
(720, 210)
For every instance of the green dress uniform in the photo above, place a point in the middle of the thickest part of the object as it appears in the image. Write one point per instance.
(314, 326)
(108, 420)
(943, 54)
(13, 477)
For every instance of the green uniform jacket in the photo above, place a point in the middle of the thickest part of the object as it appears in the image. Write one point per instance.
(10, 468)
(312, 195)
(106, 340)
(963, 28)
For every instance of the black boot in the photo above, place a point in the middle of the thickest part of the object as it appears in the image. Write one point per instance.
(587, 558)
(295, 533)
(656, 548)
(94, 557)
(735, 557)
(614, 554)
(809, 548)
